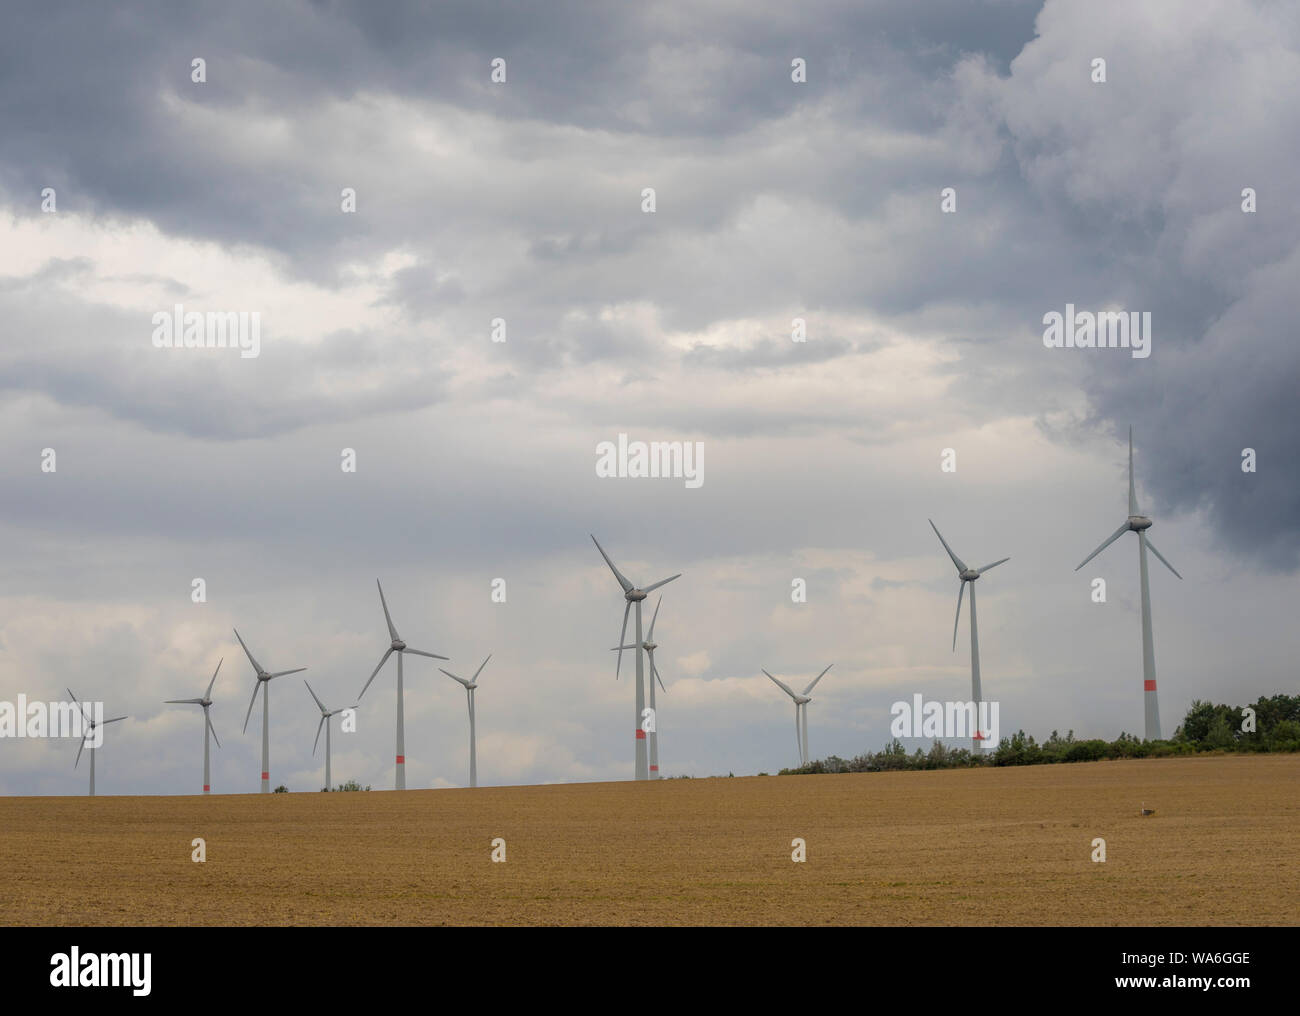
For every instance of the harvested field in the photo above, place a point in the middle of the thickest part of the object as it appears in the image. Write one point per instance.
(988, 847)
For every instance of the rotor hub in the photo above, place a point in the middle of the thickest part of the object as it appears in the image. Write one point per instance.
(968, 575)
(634, 595)
(399, 645)
(1137, 523)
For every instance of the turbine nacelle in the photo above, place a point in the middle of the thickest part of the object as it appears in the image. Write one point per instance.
(1137, 523)
(399, 645)
(968, 574)
(634, 595)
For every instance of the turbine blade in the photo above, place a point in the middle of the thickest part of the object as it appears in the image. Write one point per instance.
(387, 617)
(1152, 547)
(661, 582)
(183, 701)
(1132, 492)
(993, 565)
(480, 667)
(1109, 540)
(650, 636)
(421, 652)
(255, 664)
(621, 636)
(211, 727)
(115, 719)
(250, 705)
(281, 673)
(313, 695)
(73, 697)
(617, 648)
(79, 750)
(961, 565)
(655, 670)
(816, 679)
(208, 694)
(455, 678)
(377, 669)
(622, 579)
(782, 685)
(319, 727)
(957, 620)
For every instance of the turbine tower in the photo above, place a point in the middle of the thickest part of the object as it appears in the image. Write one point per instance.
(969, 575)
(801, 711)
(399, 647)
(634, 595)
(88, 735)
(470, 687)
(1139, 523)
(325, 715)
(263, 682)
(650, 645)
(205, 702)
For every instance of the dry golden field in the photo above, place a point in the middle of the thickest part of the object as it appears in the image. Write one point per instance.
(990, 847)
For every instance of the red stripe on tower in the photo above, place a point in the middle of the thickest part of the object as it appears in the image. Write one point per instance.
(640, 734)
(206, 788)
(401, 760)
(266, 776)
(654, 769)
(1149, 685)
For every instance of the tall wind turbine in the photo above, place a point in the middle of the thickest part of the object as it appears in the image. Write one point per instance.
(325, 715)
(801, 711)
(399, 647)
(1139, 523)
(88, 735)
(263, 680)
(969, 575)
(205, 702)
(634, 595)
(470, 686)
(650, 645)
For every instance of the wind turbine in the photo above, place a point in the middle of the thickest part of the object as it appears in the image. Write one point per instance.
(325, 715)
(1138, 523)
(205, 702)
(801, 711)
(88, 735)
(399, 647)
(634, 595)
(263, 680)
(470, 686)
(650, 645)
(969, 575)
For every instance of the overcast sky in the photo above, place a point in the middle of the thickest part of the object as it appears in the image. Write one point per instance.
(475, 460)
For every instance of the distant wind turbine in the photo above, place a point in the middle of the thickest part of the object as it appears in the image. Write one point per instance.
(325, 715)
(205, 701)
(969, 575)
(1139, 523)
(400, 648)
(470, 686)
(800, 711)
(650, 645)
(634, 595)
(263, 685)
(88, 735)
